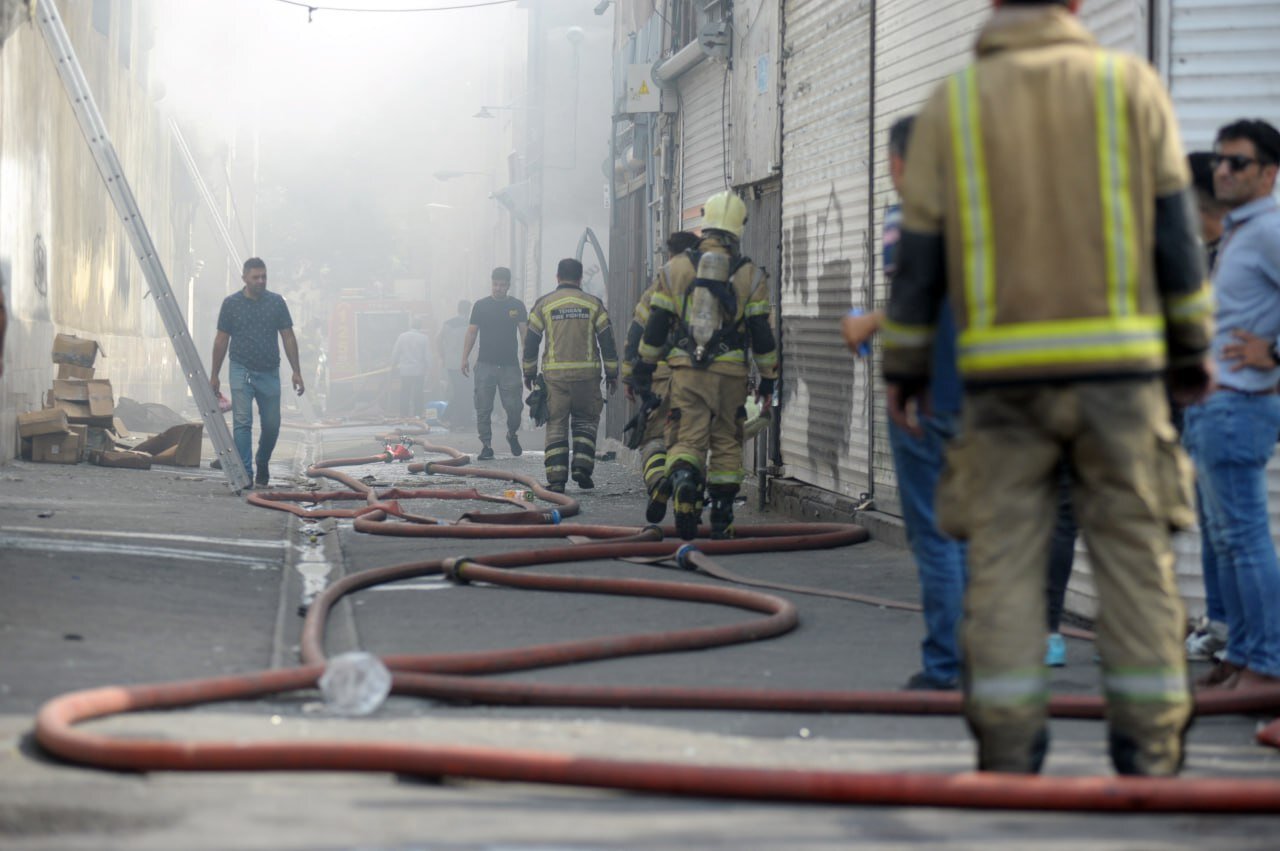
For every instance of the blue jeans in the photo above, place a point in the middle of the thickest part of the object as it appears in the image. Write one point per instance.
(1231, 436)
(939, 559)
(247, 386)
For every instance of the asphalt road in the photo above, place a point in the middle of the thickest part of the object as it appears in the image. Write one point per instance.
(122, 576)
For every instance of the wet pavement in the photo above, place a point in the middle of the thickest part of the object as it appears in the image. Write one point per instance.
(124, 576)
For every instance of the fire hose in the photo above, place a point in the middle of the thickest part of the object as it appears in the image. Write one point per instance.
(455, 677)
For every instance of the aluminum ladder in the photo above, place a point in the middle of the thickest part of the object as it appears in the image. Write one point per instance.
(108, 162)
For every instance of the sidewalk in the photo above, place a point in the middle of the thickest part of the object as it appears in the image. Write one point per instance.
(125, 576)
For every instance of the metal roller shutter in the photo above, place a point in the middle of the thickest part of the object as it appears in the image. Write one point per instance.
(703, 122)
(825, 412)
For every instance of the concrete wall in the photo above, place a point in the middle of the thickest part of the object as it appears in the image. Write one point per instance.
(68, 262)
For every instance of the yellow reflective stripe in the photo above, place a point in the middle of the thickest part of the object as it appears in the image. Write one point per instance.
(642, 313)
(551, 367)
(767, 359)
(535, 322)
(663, 301)
(650, 353)
(694, 460)
(1067, 341)
(977, 234)
(557, 450)
(1187, 308)
(1157, 685)
(756, 308)
(1118, 226)
(731, 477)
(1012, 688)
(895, 335)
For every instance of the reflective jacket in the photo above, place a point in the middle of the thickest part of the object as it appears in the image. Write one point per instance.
(748, 328)
(1046, 192)
(579, 337)
(635, 333)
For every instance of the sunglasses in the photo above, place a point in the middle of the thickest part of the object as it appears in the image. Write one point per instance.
(1237, 162)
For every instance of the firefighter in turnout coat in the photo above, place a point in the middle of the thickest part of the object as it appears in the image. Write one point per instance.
(711, 305)
(1046, 193)
(579, 347)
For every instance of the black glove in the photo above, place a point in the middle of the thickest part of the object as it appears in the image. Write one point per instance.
(641, 379)
(765, 387)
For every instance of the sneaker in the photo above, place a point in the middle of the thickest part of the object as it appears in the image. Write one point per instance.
(262, 479)
(555, 487)
(1209, 638)
(920, 681)
(1055, 651)
(514, 442)
(486, 453)
(584, 481)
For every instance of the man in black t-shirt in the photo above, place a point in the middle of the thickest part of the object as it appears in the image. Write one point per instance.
(499, 322)
(248, 322)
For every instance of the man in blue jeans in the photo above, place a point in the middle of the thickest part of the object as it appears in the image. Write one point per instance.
(1232, 434)
(919, 461)
(248, 323)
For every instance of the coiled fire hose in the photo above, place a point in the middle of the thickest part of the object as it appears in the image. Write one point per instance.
(454, 677)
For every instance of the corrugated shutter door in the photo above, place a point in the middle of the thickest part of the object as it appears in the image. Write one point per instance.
(825, 265)
(1119, 24)
(1224, 64)
(702, 152)
(917, 46)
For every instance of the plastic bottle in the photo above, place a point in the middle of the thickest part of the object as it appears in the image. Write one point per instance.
(355, 683)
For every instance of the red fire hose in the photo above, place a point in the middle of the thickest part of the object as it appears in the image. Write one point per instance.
(454, 677)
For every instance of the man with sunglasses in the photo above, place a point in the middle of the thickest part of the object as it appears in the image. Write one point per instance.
(1232, 434)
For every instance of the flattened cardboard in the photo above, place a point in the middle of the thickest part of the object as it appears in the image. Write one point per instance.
(56, 448)
(77, 351)
(69, 370)
(126, 458)
(179, 445)
(47, 421)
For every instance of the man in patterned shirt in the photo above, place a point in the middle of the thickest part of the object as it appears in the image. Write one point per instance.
(248, 322)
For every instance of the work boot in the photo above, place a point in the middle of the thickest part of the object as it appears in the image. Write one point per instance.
(657, 507)
(486, 453)
(686, 497)
(514, 442)
(555, 487)
(722, 518)
(584, 481)
(263, 478)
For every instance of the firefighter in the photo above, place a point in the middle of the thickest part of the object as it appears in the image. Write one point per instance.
(1047, 194)
(651, 419)
(713, 303)
(579, 346)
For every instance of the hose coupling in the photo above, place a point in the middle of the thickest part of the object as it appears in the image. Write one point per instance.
(553, 517)
(683, 560)
(451, 568)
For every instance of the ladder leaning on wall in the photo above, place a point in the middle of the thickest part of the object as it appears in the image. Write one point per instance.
(108, 162)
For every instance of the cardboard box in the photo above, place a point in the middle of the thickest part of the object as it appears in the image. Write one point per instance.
(121, 458)
(87, 402)
(48, 421)
(68, 348)
(68, 370)
(56, 448)
(179, 445)
(81, 431)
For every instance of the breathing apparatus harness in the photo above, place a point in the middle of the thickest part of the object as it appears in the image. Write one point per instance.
(705, 336)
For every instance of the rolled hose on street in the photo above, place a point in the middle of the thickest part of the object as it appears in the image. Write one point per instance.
(453, 677)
